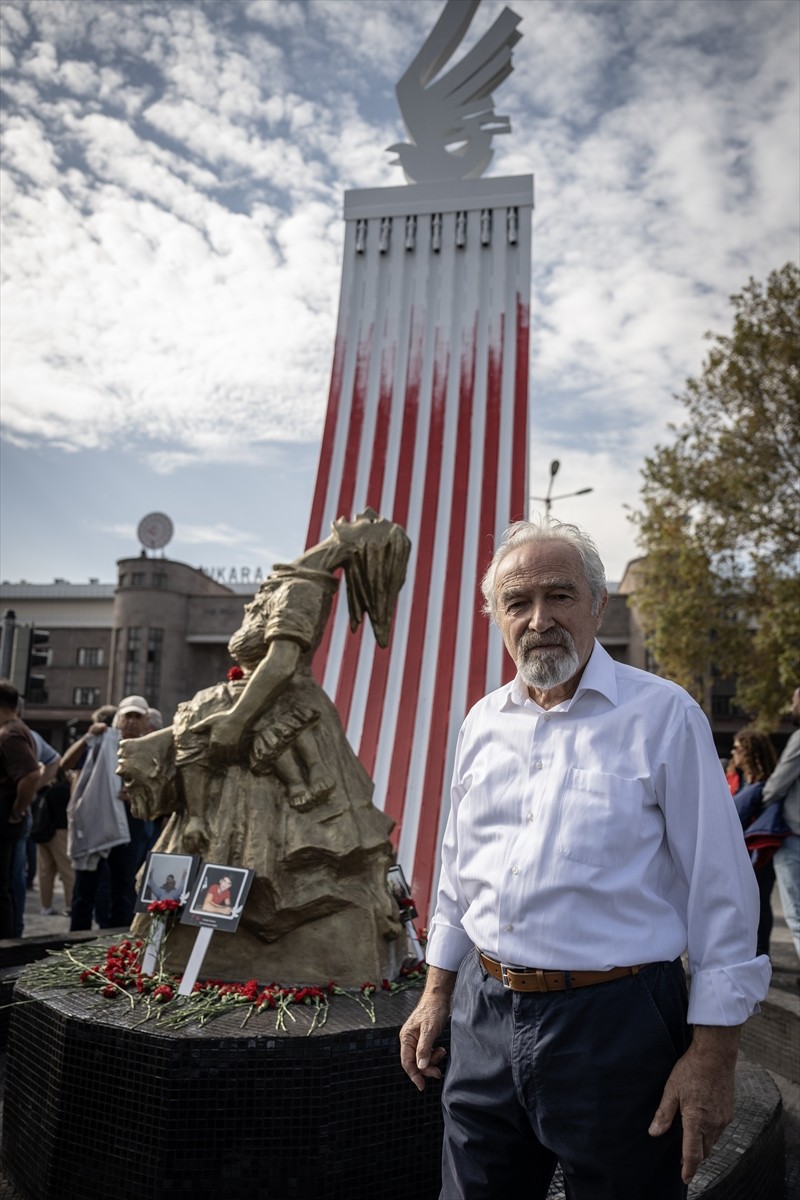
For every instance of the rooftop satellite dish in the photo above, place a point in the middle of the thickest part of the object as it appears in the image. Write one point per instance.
(155, 530)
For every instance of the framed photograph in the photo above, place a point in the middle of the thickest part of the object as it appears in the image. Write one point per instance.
(218, 897)
(398, 886)
(167, 877)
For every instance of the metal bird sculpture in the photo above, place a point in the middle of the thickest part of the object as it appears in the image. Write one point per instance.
(452, 121)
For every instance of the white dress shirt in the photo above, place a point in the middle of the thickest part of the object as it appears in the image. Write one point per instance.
(597, 834)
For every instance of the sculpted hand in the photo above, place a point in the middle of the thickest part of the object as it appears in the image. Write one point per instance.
(417, 1055)
(701, 1086)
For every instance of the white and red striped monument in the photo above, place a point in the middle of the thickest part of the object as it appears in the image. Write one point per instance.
(427, 422)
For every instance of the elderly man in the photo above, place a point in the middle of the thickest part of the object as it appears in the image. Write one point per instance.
(592, 839)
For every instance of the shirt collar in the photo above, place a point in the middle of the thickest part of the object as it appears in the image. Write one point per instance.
(599, 675)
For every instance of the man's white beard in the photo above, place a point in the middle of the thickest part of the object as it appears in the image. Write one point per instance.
(545, 669)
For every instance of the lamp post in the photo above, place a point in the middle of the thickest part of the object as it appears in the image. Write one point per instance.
(547, 499)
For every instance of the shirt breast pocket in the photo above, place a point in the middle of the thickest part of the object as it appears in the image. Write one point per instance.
(599, 817)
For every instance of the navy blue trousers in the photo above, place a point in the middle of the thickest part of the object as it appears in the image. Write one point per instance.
(119, 873)
(571, 1077)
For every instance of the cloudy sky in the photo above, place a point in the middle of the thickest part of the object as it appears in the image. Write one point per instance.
(172, 184)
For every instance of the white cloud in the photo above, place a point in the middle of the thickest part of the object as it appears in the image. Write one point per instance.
(172, 194)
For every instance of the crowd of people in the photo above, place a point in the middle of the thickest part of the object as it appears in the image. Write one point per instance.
(69, 817)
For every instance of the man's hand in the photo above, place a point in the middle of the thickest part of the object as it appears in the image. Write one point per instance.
(701, 1087)
(417, 1055)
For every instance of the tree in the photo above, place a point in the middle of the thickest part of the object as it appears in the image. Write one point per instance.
(720, 522)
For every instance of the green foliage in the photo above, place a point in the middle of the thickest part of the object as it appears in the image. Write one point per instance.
(720, 521)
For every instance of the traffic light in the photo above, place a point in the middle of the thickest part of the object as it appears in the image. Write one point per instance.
(26, 655)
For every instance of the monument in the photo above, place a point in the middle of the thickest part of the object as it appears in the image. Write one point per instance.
(427, 421)
(256, 772)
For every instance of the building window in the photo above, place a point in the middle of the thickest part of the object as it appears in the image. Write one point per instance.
(152, 673)
(133, 657)
(86, 697)
(723, 706)
(137, 579)
(159, 579)
(90, 656)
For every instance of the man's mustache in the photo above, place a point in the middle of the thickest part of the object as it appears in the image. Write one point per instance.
(553, 637)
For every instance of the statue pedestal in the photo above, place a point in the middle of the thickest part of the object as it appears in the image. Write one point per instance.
(96, 1106)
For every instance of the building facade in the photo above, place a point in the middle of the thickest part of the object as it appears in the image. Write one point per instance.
(161, 632)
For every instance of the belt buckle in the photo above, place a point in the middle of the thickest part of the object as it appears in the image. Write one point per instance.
(504, 975)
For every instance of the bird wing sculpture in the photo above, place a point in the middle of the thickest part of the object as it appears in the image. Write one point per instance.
(457, 110)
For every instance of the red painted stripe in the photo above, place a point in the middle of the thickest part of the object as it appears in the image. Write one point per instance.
(383, 422)
(326, 450)
(404, 733)
(352, 451)
(373, 716)
(425, 850)
(518, 499)
(476, 682)
(352, 649)
(348, 480)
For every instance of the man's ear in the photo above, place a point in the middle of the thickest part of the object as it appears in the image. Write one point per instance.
(601, 610)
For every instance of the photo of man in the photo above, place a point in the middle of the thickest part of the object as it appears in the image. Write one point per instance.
(218, 897)
(169, 889)
(167, 877)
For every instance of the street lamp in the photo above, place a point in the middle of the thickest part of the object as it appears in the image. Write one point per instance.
(547, 499)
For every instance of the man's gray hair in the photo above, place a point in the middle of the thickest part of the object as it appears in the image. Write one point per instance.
(521, 533)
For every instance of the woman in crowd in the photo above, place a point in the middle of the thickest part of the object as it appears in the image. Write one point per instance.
(754, 756)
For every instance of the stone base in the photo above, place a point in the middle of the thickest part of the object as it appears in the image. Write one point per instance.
(96, 1107)
(344, 946)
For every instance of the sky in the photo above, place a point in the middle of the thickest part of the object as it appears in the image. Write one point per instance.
(172, 195)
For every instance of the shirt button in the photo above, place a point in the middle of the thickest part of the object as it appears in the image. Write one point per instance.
(530, 816)
(515, 870)
(538, 764)
(508, 928)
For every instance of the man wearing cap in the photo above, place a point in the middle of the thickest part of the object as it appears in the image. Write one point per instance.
(101, 826)
(592, 840)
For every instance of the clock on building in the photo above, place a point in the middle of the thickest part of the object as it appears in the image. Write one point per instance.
(155, 530)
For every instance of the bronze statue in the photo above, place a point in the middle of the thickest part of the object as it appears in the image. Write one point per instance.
(257, 772)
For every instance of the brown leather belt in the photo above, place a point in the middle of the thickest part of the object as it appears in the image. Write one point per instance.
(527, 979)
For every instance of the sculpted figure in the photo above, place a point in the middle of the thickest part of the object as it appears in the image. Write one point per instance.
(257, 772)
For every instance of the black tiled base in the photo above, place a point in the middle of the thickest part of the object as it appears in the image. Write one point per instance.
(95, 1107)
(98, 1106)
